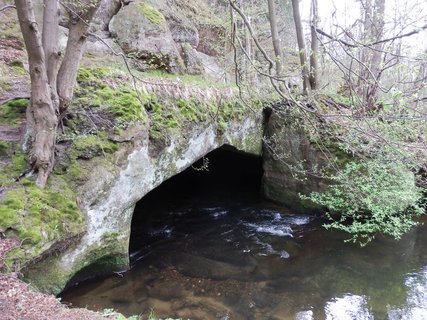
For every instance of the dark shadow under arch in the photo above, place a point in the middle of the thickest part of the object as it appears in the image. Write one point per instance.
(231, 174)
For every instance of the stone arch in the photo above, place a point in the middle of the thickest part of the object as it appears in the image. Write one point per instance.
(109, 204)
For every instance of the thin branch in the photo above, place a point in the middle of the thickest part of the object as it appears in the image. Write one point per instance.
(323, 33)
(352, 45)
(9, 6)
(411, 33)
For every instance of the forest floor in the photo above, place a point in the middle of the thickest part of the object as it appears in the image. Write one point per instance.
(19, 301)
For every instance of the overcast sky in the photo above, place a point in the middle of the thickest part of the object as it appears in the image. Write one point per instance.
(346, 12)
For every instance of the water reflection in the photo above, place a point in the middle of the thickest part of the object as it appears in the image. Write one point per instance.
(416, 302)
(252, 260)
(349, 307)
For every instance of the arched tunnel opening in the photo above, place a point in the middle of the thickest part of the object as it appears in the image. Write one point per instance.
(224, 177)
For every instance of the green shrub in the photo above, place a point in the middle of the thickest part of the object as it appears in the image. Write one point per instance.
(371, 198)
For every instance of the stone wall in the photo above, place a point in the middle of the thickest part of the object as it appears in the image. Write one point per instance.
(291, 163)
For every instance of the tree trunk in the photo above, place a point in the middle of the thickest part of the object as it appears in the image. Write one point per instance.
(314, 46)
(301, 47)
(78, 29)
(51, 89)
(50, 46)
(373, 65)
(41, 117)
(275, 37)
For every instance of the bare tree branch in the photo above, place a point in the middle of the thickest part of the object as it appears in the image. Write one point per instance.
(9, 6)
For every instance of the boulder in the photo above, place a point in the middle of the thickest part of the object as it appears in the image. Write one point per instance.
(210, 39)
(102, 44)
(141, 30)
(192, 63)
(199, 63)
(106, 10)
(183, 33)
(211, 66)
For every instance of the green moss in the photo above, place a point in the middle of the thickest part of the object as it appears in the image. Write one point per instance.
(191, 110)
(89, 146)
(19, 70)
(13, 112)
(38, 217)
(119, 98)
(127, 106)
(4, 148)
(75, 173)
(93, 74)
(15, 168)
(152, 14)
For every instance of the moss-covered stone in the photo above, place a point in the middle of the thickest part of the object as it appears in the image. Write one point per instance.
(151, 13)
(13, 112)
(119, 97)
(16, 165)
(38, 218)
(292, 164)
(90, 146)
(4, 148)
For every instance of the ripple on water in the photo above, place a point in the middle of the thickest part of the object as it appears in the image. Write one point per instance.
(349, 307)
(282, 230)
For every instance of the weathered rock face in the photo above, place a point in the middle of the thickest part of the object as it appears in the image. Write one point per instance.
(211, 39)
(183, 33)
(111, 193)
(288, 151)
(199, 63)
(141, 30)
(165, 35)
(106, 10)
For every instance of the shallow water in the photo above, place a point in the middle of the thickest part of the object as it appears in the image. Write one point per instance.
(210, 257)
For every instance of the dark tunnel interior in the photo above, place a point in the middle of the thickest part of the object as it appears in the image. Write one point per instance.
(231, 176)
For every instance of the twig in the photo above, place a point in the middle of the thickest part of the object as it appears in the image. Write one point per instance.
(7, 7)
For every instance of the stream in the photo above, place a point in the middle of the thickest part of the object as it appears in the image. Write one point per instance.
(220, 252)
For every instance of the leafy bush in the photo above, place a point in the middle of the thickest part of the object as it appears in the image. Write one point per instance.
(371, 197)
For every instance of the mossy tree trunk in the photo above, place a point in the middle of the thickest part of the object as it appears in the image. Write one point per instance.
(51, 85)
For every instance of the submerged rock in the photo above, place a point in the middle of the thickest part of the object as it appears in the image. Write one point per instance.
(201, 267)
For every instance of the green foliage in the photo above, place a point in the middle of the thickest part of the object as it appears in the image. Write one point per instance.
(371, 197)
(152, 14)
(13, 112)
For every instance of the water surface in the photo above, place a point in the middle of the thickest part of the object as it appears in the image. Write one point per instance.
(245, 259)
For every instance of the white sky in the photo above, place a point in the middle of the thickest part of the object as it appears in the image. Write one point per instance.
(345, 13)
